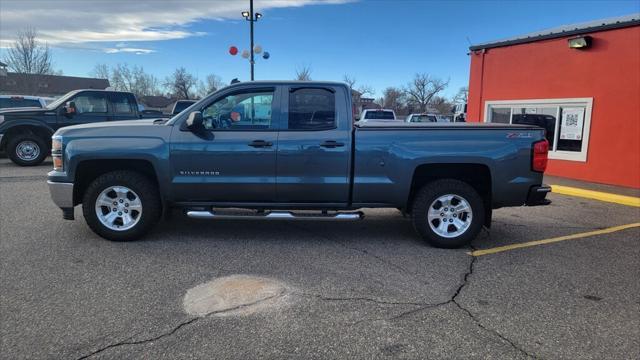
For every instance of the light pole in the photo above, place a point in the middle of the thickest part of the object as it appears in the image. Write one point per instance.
(251, 18)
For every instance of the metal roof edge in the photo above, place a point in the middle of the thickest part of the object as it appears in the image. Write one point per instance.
(556, 35)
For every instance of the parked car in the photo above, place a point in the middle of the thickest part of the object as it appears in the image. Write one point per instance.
(180, 105)
(303, 154)
(22, 101)
(419, 118)
(377, 115)
(25, 133)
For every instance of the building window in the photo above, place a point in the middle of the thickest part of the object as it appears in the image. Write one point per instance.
(566, 121)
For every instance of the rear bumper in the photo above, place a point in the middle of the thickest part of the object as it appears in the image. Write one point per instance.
(537, 195)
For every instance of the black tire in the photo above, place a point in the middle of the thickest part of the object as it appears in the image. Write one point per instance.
(138, 183)
(35, 144)
(428, 194)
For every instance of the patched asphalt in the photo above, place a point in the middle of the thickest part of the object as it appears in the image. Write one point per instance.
(368, 289)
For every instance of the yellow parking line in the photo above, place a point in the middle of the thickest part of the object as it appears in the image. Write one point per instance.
(596, 195)
(552, 240)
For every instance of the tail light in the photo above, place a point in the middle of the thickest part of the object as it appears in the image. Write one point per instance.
(540, 155)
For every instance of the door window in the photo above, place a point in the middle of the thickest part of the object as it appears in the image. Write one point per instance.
(312, 109)
(122, 104)
(90, 103)
(243, 111)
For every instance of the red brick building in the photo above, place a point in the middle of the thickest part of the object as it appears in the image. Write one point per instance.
(580, 82)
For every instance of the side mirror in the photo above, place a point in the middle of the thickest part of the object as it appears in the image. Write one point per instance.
(70, 108)
(195, 121)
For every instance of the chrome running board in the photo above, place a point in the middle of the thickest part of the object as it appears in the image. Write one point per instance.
(274, 215)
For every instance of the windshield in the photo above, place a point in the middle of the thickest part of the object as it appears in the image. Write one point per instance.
(61, 100)
(379, 115)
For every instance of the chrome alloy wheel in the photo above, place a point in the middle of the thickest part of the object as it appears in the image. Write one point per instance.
(450, 215)
(118, 208)
(27, 150)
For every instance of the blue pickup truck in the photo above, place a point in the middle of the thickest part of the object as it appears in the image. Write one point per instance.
(291, 151)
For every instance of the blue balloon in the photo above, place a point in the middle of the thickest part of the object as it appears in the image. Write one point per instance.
(266, 55)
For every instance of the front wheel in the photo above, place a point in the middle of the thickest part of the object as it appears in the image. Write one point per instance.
(121, 205)
(448, 213)
(27, 150)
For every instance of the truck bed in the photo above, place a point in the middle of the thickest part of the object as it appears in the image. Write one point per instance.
(386, 155)
(439, 125)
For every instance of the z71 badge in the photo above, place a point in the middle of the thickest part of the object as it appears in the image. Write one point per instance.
(519, 135)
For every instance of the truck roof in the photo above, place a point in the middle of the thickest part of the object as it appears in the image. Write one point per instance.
(287, 82)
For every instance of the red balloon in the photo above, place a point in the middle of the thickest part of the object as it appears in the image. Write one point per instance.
(233, 50)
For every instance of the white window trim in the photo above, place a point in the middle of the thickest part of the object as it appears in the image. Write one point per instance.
(566, 102)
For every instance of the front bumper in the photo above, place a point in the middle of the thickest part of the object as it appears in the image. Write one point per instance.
(537, 195)
(62, 196)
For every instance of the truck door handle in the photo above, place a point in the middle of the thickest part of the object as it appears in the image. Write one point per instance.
(331, 144)
(260, 143)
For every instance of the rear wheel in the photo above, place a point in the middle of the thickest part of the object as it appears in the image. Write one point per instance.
(121, 205)
(448, 213)
(27, 150)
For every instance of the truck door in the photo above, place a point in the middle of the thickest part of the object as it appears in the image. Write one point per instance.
(233, 160)
(314, 146)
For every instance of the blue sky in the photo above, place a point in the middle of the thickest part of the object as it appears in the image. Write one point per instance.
(380, 43)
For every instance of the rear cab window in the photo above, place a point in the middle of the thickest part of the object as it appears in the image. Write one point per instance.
(312, 109)
(379, 115)
(122, 104)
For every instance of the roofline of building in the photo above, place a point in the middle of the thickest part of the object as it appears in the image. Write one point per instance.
(613, 24)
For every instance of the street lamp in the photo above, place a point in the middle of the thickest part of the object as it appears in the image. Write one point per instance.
(251, 18)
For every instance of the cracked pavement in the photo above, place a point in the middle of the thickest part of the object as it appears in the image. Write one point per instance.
(365, 290)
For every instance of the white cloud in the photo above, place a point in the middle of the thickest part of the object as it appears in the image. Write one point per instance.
(137, 51)
(74, 21)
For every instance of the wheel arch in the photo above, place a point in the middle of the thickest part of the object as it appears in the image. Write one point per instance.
(39, 130)
(475, 174)
(87, 171)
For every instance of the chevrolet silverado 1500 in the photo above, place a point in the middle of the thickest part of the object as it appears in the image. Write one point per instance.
(289, 151)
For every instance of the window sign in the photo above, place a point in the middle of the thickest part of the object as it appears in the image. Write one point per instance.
(572, 123)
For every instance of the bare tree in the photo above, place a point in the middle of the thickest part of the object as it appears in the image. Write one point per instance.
(351, 81)
(211, 84)
(124, 78)
(28, 55)
(181, 84)
(393, 98)
(422, 89)
(462, 96)
(101, 71)
(303, 73)
(442, 105)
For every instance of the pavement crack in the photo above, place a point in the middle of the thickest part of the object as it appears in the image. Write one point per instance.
(359, 298)
(143, 341)
(454, 300)
(173, 330)
(380, 258)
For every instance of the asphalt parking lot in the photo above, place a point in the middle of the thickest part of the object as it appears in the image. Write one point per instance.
(367, 289)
